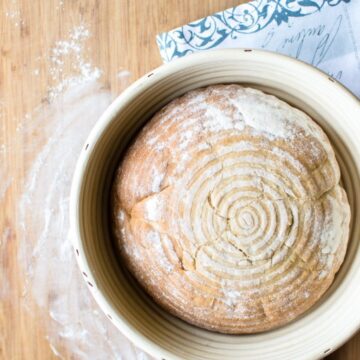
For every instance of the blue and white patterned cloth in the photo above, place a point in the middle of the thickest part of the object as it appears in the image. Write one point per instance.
(324, 33)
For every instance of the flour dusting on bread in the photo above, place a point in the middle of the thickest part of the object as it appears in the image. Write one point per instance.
(230, 199)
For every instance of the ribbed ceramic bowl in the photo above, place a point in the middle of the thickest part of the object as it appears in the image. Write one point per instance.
(330, 323)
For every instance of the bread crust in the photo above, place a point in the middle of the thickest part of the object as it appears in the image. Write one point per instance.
(228, 211)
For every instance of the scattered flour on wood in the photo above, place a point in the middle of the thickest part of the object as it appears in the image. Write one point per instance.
(124, 74)
(69, 52)
(5, 288)
(53, 280)
(13, 13)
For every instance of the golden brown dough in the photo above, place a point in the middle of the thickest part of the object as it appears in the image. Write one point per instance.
(228, 210)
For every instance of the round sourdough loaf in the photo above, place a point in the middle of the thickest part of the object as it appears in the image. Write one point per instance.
(227, 209)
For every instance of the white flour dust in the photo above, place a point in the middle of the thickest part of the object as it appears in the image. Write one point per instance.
(13, 13)
(124, 74)
(60, 5)
(53, 279)
(67, 53)
(51, 139)
(5, 288)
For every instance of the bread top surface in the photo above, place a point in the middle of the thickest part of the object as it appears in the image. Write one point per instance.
(227, 209)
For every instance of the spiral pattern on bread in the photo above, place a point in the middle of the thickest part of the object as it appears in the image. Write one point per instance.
(228, 210)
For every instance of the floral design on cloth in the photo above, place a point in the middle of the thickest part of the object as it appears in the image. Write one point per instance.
(209, 32)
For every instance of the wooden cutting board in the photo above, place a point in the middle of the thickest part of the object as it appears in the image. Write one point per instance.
(122, 37)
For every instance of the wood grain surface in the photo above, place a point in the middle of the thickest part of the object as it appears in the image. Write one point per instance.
(122, 37)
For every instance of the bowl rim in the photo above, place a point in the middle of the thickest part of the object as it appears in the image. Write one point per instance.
(110, 114)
